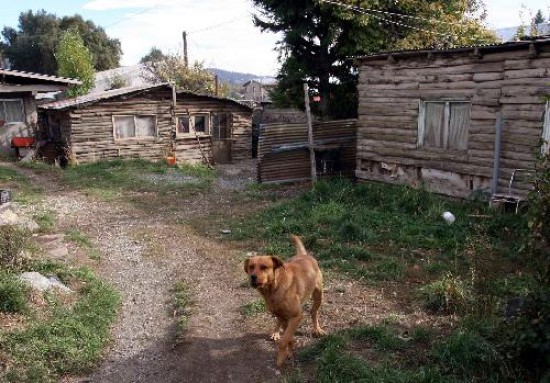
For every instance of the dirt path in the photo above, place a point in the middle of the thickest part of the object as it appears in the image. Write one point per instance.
(145, 254)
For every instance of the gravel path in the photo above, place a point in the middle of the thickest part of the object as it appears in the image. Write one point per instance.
(144, 254)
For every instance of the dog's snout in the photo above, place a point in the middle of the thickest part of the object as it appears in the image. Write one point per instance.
(253, 278)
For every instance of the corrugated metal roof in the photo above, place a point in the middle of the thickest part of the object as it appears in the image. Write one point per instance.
(483, 48)
(95, 97)
(38, 76)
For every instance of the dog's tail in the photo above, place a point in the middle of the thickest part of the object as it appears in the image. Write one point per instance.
(300, 248)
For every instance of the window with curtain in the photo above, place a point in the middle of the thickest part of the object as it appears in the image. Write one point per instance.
(444, 124)
(134, 126)
(545, 149)
(12, 110)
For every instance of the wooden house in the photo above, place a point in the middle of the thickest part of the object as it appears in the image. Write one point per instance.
(150, 122)
(458, 121)
(18, 91)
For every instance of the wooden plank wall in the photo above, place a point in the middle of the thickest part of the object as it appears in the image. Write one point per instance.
(91, 129)
(283, 154)
(389, 97)
(241, 129)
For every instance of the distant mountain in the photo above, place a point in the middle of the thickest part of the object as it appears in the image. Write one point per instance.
(236, 78)
(506, 34)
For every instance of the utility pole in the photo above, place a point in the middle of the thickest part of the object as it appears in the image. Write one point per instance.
(310, 136)
(185, 60)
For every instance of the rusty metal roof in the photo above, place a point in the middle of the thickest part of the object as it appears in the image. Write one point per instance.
(9, 74)
(478, 49)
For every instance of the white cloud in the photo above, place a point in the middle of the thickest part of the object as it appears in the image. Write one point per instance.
(220, 33)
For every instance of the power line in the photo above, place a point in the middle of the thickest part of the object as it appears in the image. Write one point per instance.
(131, 15)
(219, 25)
(369, 11)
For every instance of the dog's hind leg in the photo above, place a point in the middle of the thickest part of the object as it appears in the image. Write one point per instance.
(317, 300)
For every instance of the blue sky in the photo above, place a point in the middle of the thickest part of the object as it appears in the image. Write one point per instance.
(221, 33)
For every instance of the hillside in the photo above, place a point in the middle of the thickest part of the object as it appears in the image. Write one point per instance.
(235, 78)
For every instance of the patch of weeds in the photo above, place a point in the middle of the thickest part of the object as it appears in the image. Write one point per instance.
(253, 308)
(468, 355)
(70, 341)
(45, 221)
(23, 191)
(111, 178)
(82, 241)
(182, 303)
(13, 294)
(13, 240)
(383, 337)
(449, 295)
(388, 269)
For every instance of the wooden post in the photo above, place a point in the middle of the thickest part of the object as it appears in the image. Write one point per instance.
(496, 158)
(185, 60)
(310, 136)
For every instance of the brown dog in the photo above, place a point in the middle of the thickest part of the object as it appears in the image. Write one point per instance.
(285, 286)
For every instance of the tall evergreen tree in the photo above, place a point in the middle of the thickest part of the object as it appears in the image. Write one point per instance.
(32, 46)
(319, 37)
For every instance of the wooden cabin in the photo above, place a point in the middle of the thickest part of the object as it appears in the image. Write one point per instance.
(150, 122)
(18, 113)
(431, 117)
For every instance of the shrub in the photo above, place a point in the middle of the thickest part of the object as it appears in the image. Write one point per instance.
(448, 295)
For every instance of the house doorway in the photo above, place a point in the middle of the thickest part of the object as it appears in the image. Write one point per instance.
(221, 137)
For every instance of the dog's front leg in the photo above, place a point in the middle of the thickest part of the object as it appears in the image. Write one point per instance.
(276, 335)
(287, 341)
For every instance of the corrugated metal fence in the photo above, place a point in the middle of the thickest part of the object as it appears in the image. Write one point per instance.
(283, 150)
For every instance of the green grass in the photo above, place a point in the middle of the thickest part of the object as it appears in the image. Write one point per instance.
(13, 294)
(45, 221)
(253, 308)
(182, 306)
(375, 232)
(71, 338)
(23, 190)
(111, 178)
(82, 241)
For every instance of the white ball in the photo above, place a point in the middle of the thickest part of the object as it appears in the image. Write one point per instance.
(448, 217)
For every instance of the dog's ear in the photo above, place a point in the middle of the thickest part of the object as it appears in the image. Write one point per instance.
(246, 265)
(277, 262)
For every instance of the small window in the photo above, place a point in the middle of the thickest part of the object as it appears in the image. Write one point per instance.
(545, 149)
(193, 124)
(221, 129)
(12, 110)
(134, 126)
(183, 125)
(444, 124)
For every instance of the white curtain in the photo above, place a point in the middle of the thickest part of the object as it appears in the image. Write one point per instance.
(434, 132)
(458, 125)
(13, 111)
(124, 126)
(145, 126)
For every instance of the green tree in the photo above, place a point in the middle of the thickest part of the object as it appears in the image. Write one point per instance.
(32, 46)
(539, 18)
(75, 61)
(194, 78)
(154, 55)
(319, 36)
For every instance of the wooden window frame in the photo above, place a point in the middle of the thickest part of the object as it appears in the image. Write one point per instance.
(21, 104)
(545, 147)
(447, 117)
(229, 126)
(133, 138)
(192, 131)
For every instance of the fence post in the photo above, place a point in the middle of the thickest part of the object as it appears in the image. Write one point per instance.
(310, 136)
